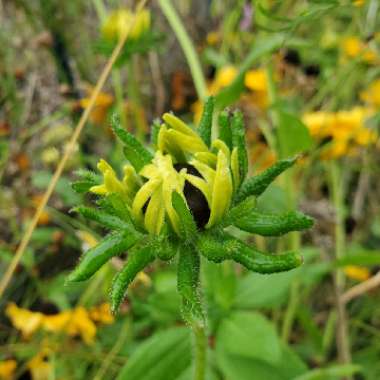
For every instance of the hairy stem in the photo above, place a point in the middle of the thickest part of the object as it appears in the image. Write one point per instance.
(186, 45)
(200, 350)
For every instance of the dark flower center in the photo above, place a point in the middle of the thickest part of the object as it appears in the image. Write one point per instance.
(194, 197)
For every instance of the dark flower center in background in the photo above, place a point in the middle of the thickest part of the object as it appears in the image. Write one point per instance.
(194, 197)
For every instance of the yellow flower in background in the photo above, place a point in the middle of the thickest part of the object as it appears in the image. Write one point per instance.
(257, 82)
(40, 367)
(356, 272)
(28, 322)
(119, 22)
(213, 38)
(353, 47)
(75, 322)
(223, 78)
(102, 314)
(7, 369)
(358, 3)
(101, 107)
(372, 94)
(346, 129)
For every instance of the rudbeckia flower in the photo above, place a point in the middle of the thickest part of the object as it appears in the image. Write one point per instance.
(346, 129)
(75, 322)
(7, 369)
(178, 198)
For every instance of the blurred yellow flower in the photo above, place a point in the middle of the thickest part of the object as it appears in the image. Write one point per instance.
(102, 314)
(40, 367)
(358, 3)
(75, 322)
(346, 129)
(372, 94)
(356, 272)
(101, 107)
(223, 78)
(353, 47)
(213, 38)
(7, 369)
(122, 21)
(257, 82)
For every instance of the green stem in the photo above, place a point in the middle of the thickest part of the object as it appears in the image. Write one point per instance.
(186, 45)
(200, 350)
(118, 87)
(337, 193)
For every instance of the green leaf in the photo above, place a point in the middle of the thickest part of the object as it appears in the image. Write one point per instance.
(91, 261)
(137, 260)
(335, 372)
(205, 125)
(164, 356)
(362, 257)
(247, 347)
(293, 135)
(274, 224)
(263, 47)
(134, 151)
(259, 291)
(250, 335)
(258, 184)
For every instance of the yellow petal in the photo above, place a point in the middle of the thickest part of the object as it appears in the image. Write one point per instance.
(221, 145)
(187, 143)
(207, 158)
(99, 189)
(141, 198)
(202, 185)
(222, 190)
(206, 172)
(155, 213)
(235, 167)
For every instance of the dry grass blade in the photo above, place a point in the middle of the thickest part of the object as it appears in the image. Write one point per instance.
(362, 288)
(70, 148)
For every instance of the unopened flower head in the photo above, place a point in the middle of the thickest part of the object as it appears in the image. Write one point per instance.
(177, 198)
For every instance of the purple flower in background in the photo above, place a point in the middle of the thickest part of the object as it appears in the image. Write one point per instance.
(246, 20)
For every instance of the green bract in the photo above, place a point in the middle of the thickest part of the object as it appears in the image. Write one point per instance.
(178, 201)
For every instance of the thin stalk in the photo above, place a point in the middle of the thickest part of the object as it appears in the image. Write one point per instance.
(342, 340)
(289, 186)
(187, 47)
(118, 87)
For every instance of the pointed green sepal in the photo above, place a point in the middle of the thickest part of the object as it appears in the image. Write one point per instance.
(91, 261)
(165, 248)
(274, 224)
(260, 262)
(87, 179)
(137, 260)
(205, 125)
(241, 210)
(154, 131)
(105, 219)
(134, 151)
(258, 184)
(238, 141)
(225, 133)
(222, 246)
(188, 284)
(187, 226)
